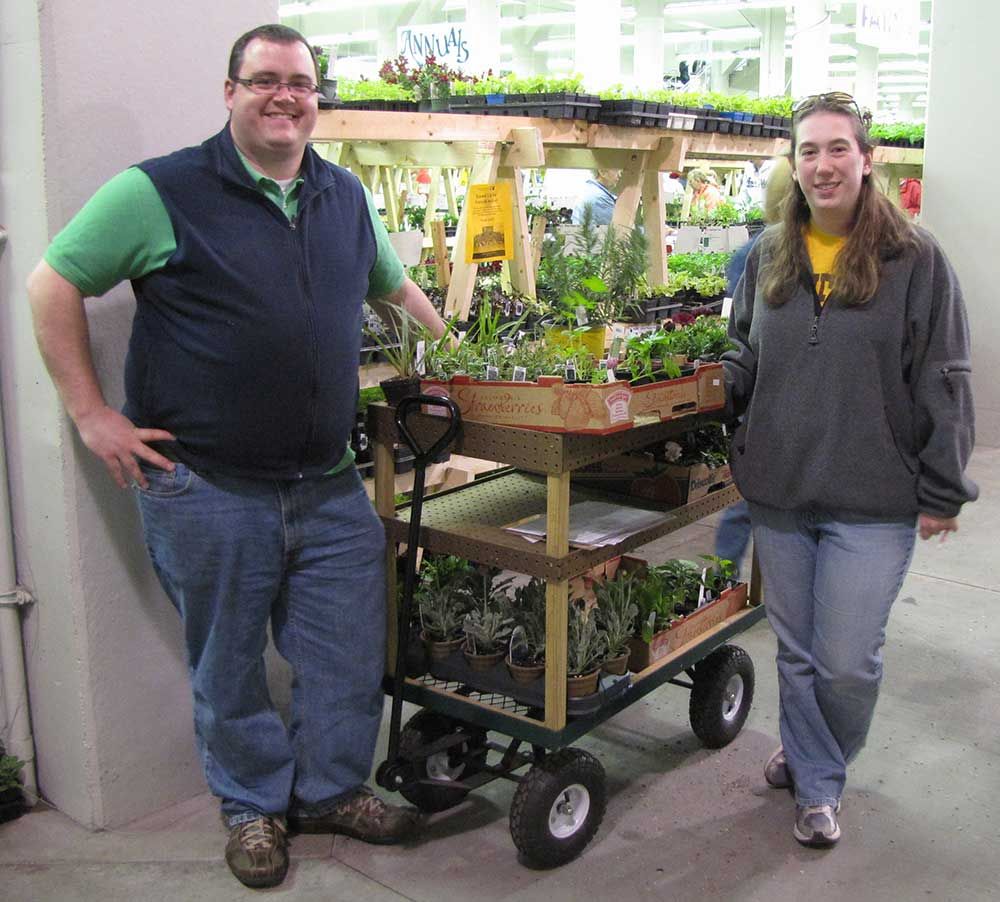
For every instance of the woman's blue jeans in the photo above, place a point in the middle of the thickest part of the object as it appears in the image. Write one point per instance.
(308, 557)
(830, 579)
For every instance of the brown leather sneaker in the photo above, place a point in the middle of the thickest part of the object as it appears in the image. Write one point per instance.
(257, 851)
(363, 816)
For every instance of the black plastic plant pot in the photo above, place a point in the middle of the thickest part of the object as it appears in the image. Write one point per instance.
(11, 804)
(399, 387)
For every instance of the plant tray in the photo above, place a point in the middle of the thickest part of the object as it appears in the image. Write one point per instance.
(389, 106)
(552, 405)
(562, 105)
(686, 629)
(635, 113)
(455, 669)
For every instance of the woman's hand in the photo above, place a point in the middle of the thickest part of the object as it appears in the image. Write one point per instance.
(930, 526)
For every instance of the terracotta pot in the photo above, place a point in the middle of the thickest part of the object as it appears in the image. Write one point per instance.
(617, 665)
(438, 650)
(585, 684)
(483, 662)
(525, 673)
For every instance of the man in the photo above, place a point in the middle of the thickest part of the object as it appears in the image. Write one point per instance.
(599, 195)
(250, 258)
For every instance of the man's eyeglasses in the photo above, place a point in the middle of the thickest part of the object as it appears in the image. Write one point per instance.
(264, 84)
(833, 98)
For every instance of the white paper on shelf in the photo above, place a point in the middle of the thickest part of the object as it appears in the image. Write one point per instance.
(595, 523)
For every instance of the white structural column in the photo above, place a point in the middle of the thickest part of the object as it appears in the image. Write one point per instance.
(810, 48)
(866, 79)
(482, 31)
(107, 677)
(958, 146)
(771, 23)
(647, 71)
(598, 42)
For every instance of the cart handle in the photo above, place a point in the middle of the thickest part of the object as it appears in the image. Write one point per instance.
(421, 455)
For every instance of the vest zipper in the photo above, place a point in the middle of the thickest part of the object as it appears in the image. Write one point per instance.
(313, 350)
(817, 313)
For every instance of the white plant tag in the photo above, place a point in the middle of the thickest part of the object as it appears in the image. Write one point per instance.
(611, 375)
(570, 372)
(701, 591)
(727, 307)
(581, 316)
(520, 374)
(419, 362)
(492, 374)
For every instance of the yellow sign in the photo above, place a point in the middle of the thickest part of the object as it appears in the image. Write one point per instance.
(490, 227)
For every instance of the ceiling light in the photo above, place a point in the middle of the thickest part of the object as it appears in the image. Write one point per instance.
(720, 6)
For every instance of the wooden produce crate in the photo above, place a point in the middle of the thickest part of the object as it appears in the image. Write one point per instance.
(552, 405)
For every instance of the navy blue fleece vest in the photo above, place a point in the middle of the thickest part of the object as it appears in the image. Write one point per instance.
(245, 345)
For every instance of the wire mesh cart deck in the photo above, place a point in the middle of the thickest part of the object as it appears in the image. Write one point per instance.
(443, 749)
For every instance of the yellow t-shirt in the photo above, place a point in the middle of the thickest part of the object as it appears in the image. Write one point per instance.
(823, 250)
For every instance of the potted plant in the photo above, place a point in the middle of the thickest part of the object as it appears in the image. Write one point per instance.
(398, 346)
(444, 597)
(586, 649)
(526, 655)
(11, 796)
(616, 616)
(487, 626)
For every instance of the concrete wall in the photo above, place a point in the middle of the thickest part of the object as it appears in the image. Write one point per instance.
(961, 193)
(85, 90)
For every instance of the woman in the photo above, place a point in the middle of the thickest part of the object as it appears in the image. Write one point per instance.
(706, 194)
(852, 372)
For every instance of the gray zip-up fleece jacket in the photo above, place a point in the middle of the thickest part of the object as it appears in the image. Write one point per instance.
(864, 409)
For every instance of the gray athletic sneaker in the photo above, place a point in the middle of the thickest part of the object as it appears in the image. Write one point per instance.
(816, 825)
(776, 770)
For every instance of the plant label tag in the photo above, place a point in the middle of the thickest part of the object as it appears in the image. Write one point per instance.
(727, 307)
(570, 372)
(491, 356)
(581, 316)
(421, 348)
(518, 308)
(701, 592)
(492, 373)
(611, 375)
(602, 364)
(520, 374)
(460, 337)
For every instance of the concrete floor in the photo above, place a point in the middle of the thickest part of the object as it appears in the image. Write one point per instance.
(683, 823)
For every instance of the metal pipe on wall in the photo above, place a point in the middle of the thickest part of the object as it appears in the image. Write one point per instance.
(17, 721)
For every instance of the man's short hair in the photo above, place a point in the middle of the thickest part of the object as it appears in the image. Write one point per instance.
(278, 34)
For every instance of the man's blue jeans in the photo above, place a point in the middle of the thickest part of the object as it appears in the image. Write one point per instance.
(830, 579)
(306, 556)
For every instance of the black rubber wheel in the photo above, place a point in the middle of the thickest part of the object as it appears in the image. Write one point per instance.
(423, 728)
(721, 696)
(558, 807)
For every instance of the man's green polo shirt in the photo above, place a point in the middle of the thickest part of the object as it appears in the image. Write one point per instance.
(124, 232)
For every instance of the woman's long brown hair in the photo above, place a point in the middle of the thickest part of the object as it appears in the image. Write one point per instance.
(880, 232)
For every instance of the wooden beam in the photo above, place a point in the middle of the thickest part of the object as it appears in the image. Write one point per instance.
(390, 198)
(449, 191)
(463, 276)
(654, 210)
(538, 224)
(441, 263)
(520, 269)
(556, 602)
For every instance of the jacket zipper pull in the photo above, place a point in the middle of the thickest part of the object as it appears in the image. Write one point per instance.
(814, 331)
(293, 223)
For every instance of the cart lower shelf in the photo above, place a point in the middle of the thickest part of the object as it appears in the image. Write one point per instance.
(492, 707)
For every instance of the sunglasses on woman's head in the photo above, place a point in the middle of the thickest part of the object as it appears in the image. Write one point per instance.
(839, 99)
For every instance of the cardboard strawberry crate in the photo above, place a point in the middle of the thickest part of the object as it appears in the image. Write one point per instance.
(686, 629)
(552, 405)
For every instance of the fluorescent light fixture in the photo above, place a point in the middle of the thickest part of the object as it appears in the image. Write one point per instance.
(713, 34)
(901, 79)
(346, 37)
(842, 67)
(554, 44)
(329, 6)
(537, 20)
(904, 66)
(719, 6)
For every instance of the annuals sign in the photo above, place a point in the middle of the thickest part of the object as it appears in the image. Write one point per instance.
(448, 44)
(893, 26)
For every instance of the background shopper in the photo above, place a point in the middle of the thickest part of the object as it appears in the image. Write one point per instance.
(852, 372)
(250, 257)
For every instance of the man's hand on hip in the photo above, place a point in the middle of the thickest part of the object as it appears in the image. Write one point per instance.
(116, 441)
